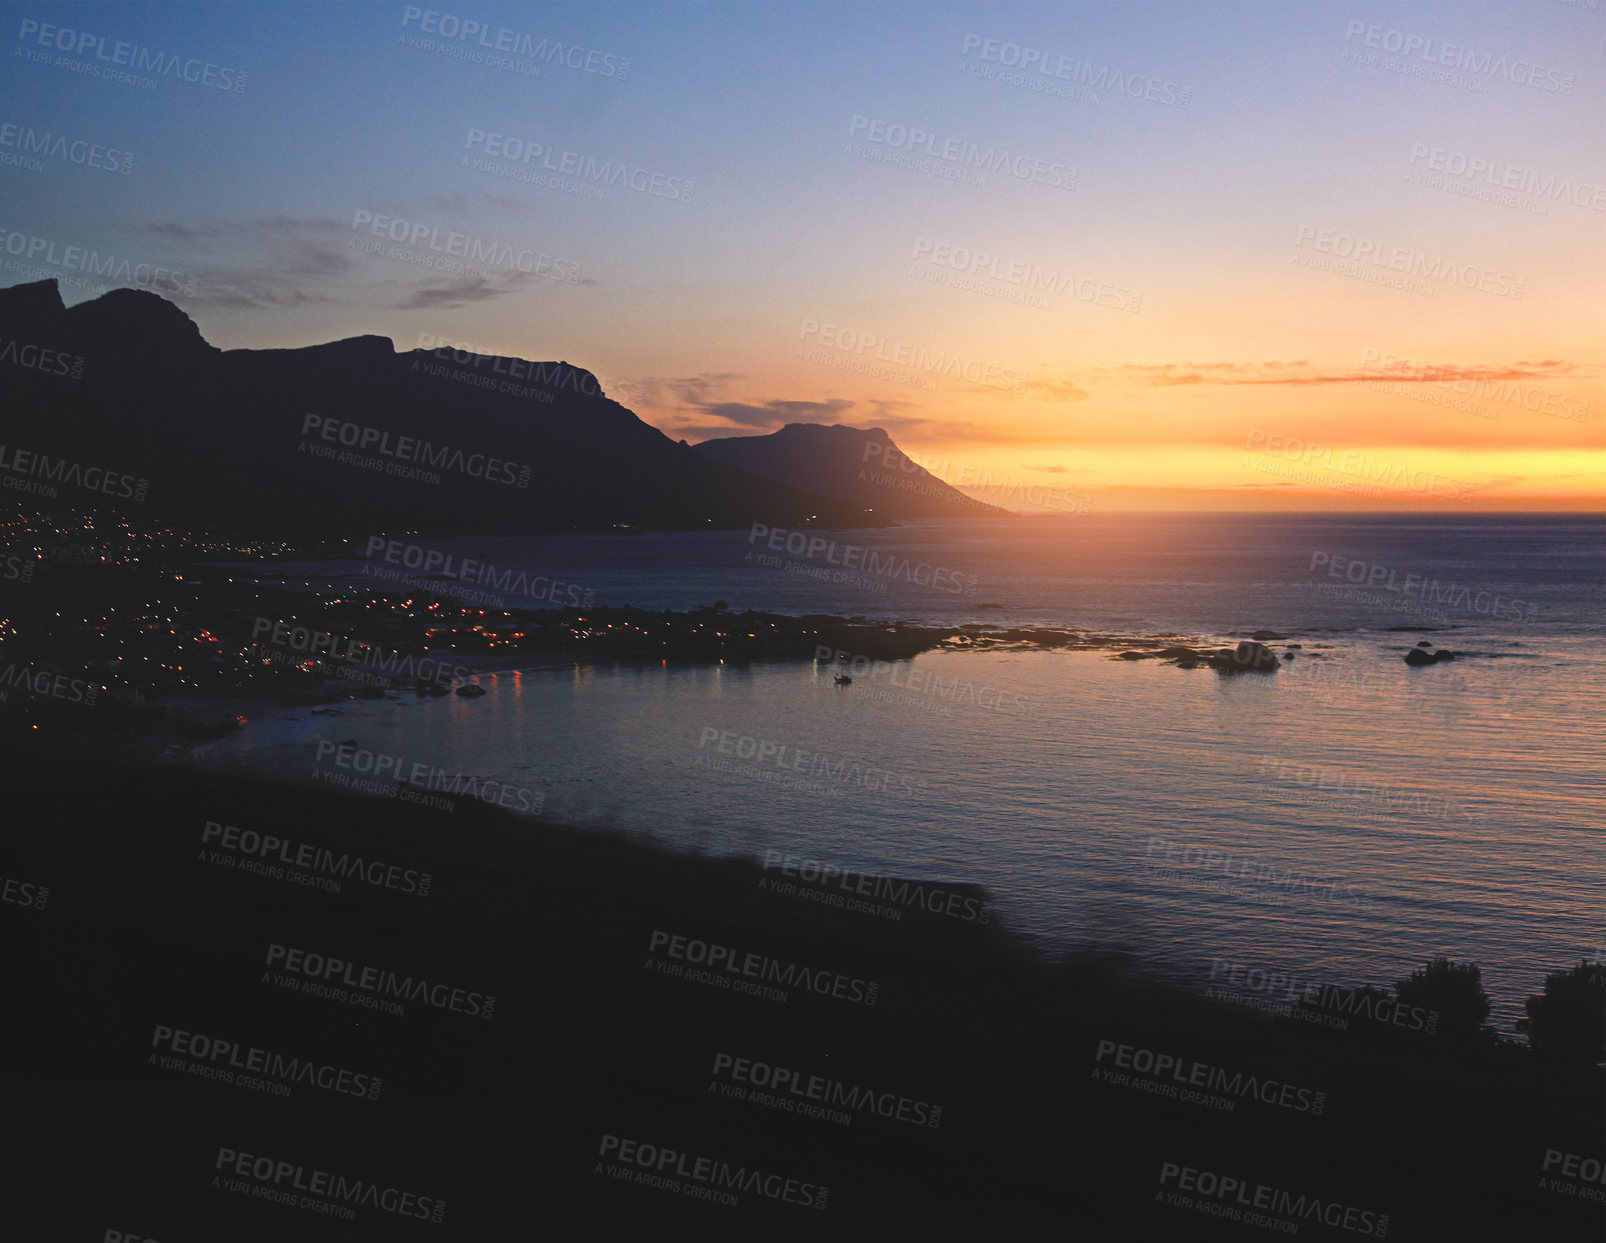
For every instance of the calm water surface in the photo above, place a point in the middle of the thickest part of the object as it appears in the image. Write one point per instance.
(1365, 816)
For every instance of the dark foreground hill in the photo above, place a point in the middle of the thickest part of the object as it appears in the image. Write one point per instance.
(193, 1006)
(852, 464)
(120, 402)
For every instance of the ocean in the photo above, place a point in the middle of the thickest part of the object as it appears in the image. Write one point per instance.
(1338, 822)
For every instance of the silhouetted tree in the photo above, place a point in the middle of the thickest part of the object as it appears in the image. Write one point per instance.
(1568, 1023)
(1455, 991)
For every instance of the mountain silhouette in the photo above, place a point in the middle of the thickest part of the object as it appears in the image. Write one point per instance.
(345, 436)
(861, 466)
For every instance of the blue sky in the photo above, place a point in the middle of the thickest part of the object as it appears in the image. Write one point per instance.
(780, 213)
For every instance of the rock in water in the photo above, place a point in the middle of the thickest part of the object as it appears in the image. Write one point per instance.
(1247, 657)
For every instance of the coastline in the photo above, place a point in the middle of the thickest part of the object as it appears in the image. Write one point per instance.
(266, 649)
(593, 1035)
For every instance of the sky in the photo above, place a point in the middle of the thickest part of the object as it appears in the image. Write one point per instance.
(1154, 256)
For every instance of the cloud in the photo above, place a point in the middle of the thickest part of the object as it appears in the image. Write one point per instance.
(946, 431)
(466, 291)
(776, 414)
(1059, 390)
(262, 229)
(687, 394)
(691, 401)
(254, 291)
(1300, 372)
(271, 262)
(700, 390)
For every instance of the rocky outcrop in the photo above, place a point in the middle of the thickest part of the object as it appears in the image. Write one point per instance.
(1247, 657)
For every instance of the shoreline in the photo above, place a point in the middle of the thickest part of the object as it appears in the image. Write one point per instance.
(587, 954)
(247, 647)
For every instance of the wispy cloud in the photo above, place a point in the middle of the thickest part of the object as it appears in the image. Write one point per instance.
(467, 291)
(270, 262)
(776, 414)
(1300, 372)
(254, 291)
(1059, 390)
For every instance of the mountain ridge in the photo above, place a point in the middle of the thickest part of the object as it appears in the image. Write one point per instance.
(352, 434)
(862, 466)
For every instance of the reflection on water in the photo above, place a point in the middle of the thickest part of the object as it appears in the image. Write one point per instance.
(1337, 828)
